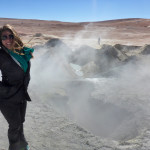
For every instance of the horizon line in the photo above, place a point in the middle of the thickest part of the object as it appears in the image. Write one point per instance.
(75, 21)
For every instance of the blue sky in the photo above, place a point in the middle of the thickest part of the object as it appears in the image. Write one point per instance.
(75, 10)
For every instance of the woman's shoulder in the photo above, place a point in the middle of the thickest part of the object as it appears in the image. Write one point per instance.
(28, 49)
(3, 56)
(1, 50)
(3, 53)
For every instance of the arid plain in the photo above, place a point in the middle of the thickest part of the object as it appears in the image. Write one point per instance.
(123, 31)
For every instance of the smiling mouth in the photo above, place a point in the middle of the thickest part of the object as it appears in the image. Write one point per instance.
(9, 44)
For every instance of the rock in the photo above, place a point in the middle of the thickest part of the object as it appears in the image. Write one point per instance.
(58, 47)
(108, 58)
(97, 61)
(145, 50)
(111, 52)
(126, 48)
(38, 35)
(54, 42)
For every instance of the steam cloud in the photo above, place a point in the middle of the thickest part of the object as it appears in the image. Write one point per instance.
(111, 107)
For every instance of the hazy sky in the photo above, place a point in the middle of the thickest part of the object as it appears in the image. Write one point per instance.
(75, 10)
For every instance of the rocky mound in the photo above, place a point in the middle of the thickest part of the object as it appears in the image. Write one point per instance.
(94, 62)
(145, 50)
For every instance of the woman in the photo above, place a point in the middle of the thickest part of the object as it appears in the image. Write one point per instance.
(15, 70)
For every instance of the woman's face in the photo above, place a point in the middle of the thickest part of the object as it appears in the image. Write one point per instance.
(7, 39)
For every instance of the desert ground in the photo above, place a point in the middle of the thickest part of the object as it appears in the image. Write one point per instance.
(125, 31)
(89, 85)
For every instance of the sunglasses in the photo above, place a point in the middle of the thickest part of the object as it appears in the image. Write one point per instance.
(5, 37)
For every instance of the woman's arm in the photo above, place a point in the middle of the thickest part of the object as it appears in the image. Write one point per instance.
(8, 91)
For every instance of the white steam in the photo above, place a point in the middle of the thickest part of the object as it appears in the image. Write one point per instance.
(116, 107)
